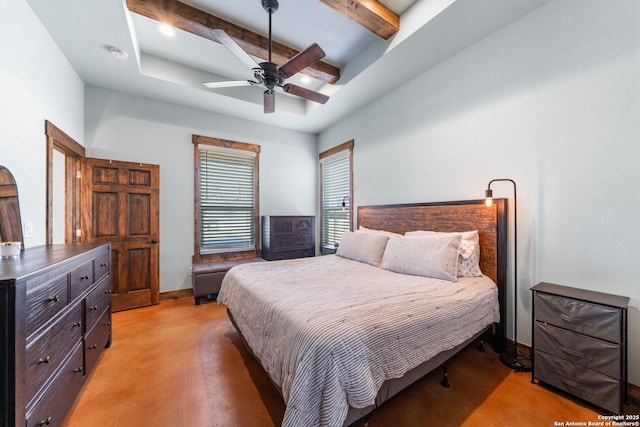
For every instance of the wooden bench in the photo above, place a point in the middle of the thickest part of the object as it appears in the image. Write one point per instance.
(206, 279)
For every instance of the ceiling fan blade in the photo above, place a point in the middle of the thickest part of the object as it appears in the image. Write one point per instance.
(305, 93)
(302, 60)
(235, 48)
(269, 101)
(215, 85)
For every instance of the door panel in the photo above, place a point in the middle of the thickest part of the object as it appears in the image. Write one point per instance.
(124, 210)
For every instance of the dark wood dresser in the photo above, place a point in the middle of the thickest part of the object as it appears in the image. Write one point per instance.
(580, 343)
(56, 320)
(287, 237)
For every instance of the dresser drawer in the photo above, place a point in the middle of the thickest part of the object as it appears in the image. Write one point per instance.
(46, 354)
(591, 386)
(102, 265)
(97, 340)
(291, 241)
(599, 321)
(292, 254)
(44, 302)
(52, 408)
(597, 355)
(97, 301)
(81, 278)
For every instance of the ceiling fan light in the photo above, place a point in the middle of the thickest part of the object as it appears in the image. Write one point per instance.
(305, 79)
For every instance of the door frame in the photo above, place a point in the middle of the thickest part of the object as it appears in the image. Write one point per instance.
(74, 154)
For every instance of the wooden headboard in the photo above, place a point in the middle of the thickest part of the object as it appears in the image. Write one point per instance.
(466, 215)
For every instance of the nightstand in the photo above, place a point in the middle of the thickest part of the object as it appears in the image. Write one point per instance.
(580, 343)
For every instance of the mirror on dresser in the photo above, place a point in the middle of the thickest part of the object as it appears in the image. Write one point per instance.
(10, 220)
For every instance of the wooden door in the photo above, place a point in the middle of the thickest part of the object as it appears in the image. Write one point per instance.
(121, 206)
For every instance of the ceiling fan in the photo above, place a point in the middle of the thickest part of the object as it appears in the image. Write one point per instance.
(267, 73)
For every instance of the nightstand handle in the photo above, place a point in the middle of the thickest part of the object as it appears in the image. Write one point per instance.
(573, 352)
(575, 385)
(574, 320)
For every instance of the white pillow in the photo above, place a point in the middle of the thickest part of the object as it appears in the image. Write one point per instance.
(469, 251)
(363, 247)
(432, 256)
(362, 229)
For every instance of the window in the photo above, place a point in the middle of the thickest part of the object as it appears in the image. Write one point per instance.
(336, 190)
(226, 198)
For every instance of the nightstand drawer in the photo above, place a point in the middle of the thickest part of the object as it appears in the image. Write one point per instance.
(597, 355)
(591, 386)
(595, 320)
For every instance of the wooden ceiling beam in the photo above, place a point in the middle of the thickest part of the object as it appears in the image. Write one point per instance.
(198, 22)
(371, 14)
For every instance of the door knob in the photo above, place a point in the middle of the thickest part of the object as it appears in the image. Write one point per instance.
(153, 241)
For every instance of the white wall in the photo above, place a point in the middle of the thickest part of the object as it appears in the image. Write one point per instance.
(553, 102)
(37, 83)
(131, 128)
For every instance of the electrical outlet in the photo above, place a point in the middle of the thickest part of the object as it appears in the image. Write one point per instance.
(28, 230)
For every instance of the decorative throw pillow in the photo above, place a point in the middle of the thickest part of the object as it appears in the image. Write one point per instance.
(363, 247)
(432, 256)
(469, 251)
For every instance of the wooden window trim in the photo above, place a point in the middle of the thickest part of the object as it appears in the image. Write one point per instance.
(330, 152)
(199, 258)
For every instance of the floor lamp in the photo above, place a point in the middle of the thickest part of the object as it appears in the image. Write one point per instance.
(513, 360)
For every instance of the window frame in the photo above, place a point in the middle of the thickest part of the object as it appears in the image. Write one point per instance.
(347, 146)
(198, 256)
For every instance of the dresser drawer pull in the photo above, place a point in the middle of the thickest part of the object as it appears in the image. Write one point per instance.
(574, 385)
(85, 277)
(107, 323)
(95, 307)
(77, 370)
(104, 265)
(45, 422)
(93, 347)
(108, 291)
(574, 352)
(574, 320)
(77, 324)
(54, 299)
(45, 360)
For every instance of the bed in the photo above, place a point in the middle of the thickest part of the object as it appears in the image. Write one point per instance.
(340, 335)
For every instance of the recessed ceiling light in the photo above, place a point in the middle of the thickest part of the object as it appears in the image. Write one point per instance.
(166, 30)
(118, 53)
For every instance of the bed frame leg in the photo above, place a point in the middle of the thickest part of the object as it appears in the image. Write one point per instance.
(366, 420)
(481, 346)
(445, 378)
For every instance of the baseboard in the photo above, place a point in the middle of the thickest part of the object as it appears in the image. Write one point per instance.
(180, 293)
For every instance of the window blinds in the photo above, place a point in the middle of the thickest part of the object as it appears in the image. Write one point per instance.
(227, 201)
(336, 184)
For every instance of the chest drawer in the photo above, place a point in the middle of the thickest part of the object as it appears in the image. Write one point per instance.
(81, 278)
(45, 354)
(44, 302)
(589, 385)
(97, 339)
(102, 265)
(291, 241)
(595, 320)
(97, 301)
(597, 355)
(52, 408)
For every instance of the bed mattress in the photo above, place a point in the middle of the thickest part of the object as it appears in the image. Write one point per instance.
(329, 330)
